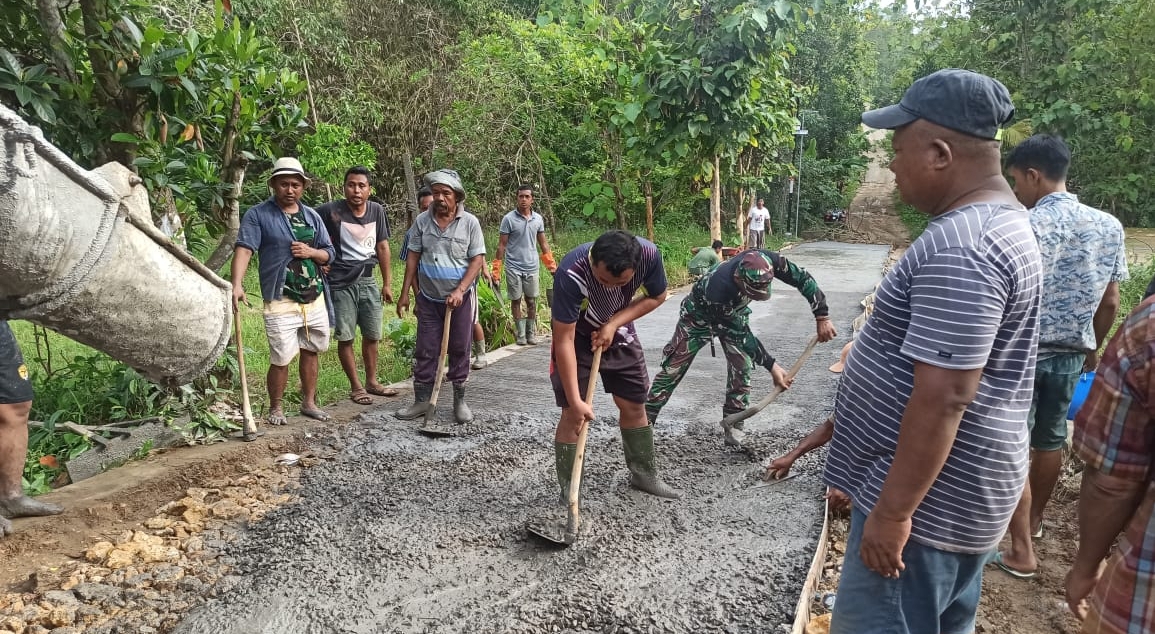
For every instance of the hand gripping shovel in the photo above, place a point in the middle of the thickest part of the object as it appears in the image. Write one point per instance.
(553, 532)
(733, 434)
(430, 427)
(249, 432)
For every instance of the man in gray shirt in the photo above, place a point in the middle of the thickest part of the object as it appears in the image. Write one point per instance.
(446, 253)
(522, 232)
(931, 434)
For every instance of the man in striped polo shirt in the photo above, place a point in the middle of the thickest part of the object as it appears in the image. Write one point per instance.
(445, 254)
(931, 434)
(594, 307)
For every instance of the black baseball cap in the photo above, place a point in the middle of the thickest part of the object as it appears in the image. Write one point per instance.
(961, 100)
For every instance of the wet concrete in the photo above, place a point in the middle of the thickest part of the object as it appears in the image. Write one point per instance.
(407, 534)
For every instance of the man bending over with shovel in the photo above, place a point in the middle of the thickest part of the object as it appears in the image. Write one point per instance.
(594, 306)
(446, 252)
(718, 306)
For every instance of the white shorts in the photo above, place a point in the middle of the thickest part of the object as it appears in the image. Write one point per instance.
(292, 327)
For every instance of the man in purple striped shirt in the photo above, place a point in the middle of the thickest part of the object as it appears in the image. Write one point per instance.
(931, 438)
(594, 306)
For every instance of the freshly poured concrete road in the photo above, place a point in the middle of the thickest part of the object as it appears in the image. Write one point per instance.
(407, 534)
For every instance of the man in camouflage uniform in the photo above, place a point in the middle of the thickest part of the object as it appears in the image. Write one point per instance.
(718, 306)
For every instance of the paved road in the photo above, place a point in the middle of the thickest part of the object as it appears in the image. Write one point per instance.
(407, 534)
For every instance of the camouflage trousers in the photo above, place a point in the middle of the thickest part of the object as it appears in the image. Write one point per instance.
(695, 329)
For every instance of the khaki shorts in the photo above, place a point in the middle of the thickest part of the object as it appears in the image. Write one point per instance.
(292, 327)
(522, 285)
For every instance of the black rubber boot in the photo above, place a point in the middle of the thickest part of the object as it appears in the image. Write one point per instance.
(461, 411)
(421, 394)
(640, 458)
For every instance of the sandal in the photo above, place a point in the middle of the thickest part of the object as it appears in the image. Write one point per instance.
(316, 414)
(360, 397)
(277, 418)
(376, 389)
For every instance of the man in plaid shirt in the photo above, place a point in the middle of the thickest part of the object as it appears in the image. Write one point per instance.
(1115, 436)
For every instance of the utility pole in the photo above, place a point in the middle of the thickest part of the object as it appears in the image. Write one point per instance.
(800, 133)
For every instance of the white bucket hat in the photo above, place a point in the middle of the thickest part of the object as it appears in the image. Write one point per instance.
(288, 165)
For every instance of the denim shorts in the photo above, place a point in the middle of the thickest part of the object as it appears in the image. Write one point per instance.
(1055, 380)
(937, 593)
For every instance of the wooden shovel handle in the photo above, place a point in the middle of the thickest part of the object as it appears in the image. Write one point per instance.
(575, 482)
(750, 411)
(250, 425)
(440, 361)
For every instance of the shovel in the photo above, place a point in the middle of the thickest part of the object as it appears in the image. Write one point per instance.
(733, 434)
(430, 428)
(249, 431)
(552, 532)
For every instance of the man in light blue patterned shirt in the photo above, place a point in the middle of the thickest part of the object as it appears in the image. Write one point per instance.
(1084, 259)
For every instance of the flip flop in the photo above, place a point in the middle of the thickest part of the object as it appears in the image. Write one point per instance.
(277, 418)
(381, 390)
(316, 414)
(1017, 574)
(361, 397)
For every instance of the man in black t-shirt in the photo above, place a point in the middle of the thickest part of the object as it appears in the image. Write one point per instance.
(360, 232)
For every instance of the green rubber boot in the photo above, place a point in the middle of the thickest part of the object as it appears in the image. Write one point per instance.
(521, 332)
(479, 360)
(530, 332)
(564, 454)
(642, 462)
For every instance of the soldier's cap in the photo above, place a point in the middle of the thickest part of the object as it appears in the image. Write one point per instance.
(753, 275)
(446, 177)
(288, 165)
(961, 100)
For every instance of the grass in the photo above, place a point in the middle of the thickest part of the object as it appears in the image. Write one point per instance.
(332, 386)
(914, 219)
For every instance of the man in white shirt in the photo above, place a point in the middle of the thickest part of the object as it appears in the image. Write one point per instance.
(758, 223)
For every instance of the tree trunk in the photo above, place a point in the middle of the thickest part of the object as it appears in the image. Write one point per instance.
(168, 220)
(649, 189)
(233, 166)
(716, 201)
(411, 209)
(740, 215)
(49, 13)
(309, 91)
(109, 95)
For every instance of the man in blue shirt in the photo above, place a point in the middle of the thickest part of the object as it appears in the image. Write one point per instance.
(292, 244)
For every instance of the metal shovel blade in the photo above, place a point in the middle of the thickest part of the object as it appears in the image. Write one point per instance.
(553, 531)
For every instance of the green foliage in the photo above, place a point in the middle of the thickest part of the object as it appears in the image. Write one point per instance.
(403, 335)
(914, 219)
(1131, 290)
(332, 149)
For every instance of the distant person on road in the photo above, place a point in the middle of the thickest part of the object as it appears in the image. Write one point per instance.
(522, 234)
(360, 233)
(1115, 437)
(15, 406)
(1084, 258)
(446, 253)
(705, 259)
(594, 306)
(758, 225)
(718, 305)
(292, 245)
(931, 435)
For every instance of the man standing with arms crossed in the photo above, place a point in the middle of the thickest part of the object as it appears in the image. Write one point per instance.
(1084, 259)
(292, 244)
(930, 440)
(360, 234)
(758, 220)
(446, 254)
(522, 232)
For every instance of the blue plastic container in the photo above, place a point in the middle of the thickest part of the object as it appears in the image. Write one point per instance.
(1081, 390)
